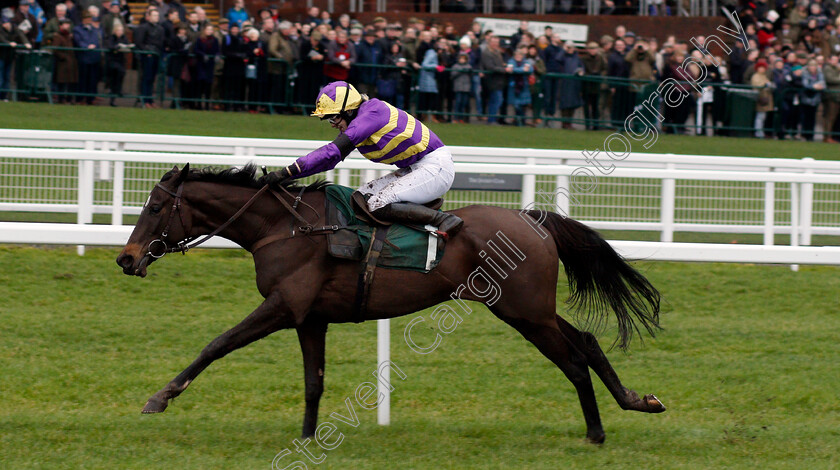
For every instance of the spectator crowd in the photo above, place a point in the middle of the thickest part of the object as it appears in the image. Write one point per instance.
(264, 63)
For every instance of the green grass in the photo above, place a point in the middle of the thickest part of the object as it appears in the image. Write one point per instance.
(164, 121)
(747, 365)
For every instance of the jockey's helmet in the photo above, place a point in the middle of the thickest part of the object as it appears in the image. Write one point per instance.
(337, 98)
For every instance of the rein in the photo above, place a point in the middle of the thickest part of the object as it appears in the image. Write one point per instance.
(187, 244)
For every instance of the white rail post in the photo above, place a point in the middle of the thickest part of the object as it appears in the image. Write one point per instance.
(85, 193)
(383, 354)
(794, 219)
(529, 185)
(806, 211)
(562, 195)
(668, 203)
(117, 195)
(344, 177)
(769, 212)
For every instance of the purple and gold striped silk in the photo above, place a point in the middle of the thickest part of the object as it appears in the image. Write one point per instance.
(385, 134)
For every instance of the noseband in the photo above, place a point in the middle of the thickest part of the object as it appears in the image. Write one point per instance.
(187, 243)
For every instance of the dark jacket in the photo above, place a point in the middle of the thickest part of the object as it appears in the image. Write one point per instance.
(205, 50)
(368, 54)
(593, 66)
(570, 89)
(115, 57)
(617, 66)
(493, 63)
(149, 37)
(83, 38)
(66, 67)
(7, 53)
(33, 33)
(553, 58)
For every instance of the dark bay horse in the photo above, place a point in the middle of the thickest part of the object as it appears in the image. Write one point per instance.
(306, 289)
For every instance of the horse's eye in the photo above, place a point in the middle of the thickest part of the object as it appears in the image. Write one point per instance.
(154, 210)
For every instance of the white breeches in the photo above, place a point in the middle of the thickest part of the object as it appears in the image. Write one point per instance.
(424, 181)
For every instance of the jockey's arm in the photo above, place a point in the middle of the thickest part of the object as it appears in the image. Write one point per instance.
(322, 159)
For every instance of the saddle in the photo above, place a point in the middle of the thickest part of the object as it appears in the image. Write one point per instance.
(405, 246)
(357, 235)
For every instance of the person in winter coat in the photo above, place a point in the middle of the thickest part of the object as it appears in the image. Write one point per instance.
(619, 69)
(10, 38)
(206, 48)
(553, 57)
(396, 79)
(519, 69)
(233, 73)
(256, 70)
(427, 84)
(282, 53)
(788, 82)
(178, 69)
(813, 84)
(493, 64)
(462, 84)
(311, 68)
(368, 52)
(149, 41)
(535, 83)
(118, 46)
(570, 89)
(341, 55)
(831, 103)
(594, 65)
(89, 39)
(764, 103)
(237, 14)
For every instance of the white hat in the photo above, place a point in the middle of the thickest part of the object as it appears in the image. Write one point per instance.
(465, 41)
(772, 16)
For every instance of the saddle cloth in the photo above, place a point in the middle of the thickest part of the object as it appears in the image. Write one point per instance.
(404, 247)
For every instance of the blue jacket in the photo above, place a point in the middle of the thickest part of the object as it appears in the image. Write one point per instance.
(428, 83)
(236, 17)
(368, 54)
(83, 37)
(809, 95)
(553, 57)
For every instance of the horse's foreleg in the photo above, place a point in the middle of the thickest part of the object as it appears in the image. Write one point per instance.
(263, 321)
(312, 336)
(588, 345)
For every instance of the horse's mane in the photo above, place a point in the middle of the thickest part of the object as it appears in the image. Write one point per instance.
(244, 177)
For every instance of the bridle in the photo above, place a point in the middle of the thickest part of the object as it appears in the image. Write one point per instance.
(187, 243)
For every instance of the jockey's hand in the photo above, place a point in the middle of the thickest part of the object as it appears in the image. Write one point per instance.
(277, 177)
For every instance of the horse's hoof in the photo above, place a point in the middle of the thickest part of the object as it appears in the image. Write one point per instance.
(653, 404)
(155, 405)
(597, 439)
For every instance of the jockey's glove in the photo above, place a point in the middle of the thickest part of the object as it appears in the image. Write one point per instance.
(277, 177)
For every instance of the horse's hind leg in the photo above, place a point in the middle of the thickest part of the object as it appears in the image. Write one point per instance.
(551, 343)
(266, 319)
(588, 346)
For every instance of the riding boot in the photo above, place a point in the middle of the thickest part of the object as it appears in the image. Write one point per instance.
(406, 212)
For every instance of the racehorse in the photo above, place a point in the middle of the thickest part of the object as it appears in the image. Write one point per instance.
(306, 289)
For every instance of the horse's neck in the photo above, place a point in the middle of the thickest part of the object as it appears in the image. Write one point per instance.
(220, 203)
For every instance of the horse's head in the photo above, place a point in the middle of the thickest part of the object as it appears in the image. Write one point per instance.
(162, 224)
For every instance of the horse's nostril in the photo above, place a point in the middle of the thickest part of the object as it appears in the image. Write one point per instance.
(125, 261)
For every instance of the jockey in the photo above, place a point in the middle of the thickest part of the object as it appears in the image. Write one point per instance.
(383, 134)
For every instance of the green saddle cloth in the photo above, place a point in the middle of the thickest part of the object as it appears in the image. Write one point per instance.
(405, 248)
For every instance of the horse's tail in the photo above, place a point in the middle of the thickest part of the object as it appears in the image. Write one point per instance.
(599, 278)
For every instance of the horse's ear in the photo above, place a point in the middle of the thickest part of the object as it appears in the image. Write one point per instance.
(184, 173)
